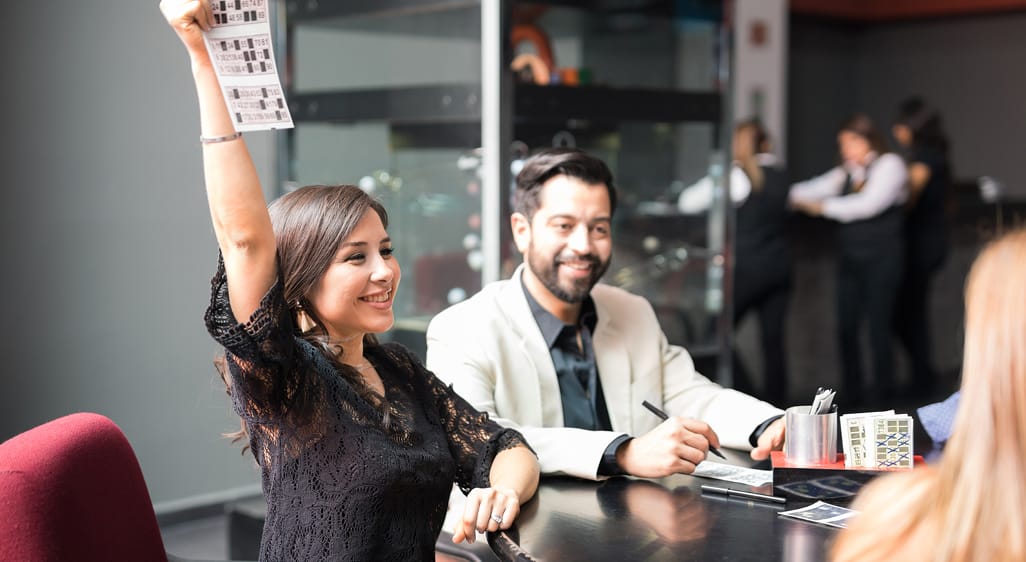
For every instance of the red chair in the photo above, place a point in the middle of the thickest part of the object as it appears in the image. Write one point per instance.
(72, 489)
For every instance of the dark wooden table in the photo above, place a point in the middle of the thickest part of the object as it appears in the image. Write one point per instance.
(622, 519)
(664, 519)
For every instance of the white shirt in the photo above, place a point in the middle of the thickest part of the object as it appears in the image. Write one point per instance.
(885, 187)
(697, 197)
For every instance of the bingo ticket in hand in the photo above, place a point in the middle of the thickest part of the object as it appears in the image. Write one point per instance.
(240, 48)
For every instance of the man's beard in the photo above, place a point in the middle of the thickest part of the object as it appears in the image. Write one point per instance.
(548, 273)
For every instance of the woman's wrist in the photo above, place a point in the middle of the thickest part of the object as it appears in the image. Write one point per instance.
(200, 62)
(507, 490)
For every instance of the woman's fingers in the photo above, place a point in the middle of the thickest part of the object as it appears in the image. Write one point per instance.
(487, 509)
(189, 18)
(458, 535)
(509, 514)
(466, 526)
(205, 17)
(484, 520)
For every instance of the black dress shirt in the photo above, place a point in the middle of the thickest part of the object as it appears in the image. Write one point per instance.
(580, 389)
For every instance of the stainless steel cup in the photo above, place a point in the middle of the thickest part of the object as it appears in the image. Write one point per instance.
(809, 439)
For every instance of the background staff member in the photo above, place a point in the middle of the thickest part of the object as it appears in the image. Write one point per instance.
(864, 194)
(762, 257)
(920, 134)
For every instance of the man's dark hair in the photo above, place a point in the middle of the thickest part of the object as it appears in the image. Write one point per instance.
(551, 162)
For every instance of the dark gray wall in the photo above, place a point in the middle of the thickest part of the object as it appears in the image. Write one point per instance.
(973, 70)
(970, 69)
(821, 91)
(106, 243)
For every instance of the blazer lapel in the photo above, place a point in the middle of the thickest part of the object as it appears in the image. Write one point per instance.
(614, 366)
(545, 388)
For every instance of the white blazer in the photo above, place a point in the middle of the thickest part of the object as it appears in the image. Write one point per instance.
(491, 350)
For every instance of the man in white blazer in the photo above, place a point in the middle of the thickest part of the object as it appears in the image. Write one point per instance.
(568, 361)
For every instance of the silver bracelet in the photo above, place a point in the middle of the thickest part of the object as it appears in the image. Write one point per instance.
(226, 138)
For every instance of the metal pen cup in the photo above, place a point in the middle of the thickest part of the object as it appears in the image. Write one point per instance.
(809, 439)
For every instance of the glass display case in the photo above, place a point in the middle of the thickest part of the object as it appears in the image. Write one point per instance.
(431, 106)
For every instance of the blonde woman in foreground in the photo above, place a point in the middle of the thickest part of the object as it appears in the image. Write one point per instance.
(969, 507)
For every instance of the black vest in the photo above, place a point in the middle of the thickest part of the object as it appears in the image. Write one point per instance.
(926, 229)
(874, 235)
(759, 236)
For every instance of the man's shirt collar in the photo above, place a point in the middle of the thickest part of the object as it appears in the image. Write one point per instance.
(551, 326)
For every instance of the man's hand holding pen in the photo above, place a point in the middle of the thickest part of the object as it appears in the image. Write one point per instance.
(676, 446)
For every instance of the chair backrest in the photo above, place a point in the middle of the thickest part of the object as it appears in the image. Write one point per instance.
(72, 489)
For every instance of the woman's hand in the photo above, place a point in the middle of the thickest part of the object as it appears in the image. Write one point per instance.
(487, 509)
(189, 19)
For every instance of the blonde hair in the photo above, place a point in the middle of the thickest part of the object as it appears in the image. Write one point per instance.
(970, 507)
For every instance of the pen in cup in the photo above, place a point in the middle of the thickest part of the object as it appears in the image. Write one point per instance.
(664, 416)
(743, 494)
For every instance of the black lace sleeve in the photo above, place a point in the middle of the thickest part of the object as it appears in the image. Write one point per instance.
(259, 353)
(474, 439)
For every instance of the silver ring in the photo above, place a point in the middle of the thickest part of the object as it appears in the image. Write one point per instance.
(497, 518)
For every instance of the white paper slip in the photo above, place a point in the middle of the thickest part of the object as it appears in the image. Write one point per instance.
(240, 49)
(731, 473)
(822, 513)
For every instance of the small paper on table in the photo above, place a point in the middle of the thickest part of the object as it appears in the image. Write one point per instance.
(822, 513)
(731, 473)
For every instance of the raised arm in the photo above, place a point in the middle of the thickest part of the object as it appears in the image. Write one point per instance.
(237, 206)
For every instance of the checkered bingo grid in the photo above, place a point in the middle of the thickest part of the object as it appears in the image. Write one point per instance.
(893, 442)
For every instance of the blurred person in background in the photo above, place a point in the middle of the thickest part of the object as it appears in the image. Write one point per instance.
(762, 256)
(864, 194)
(920, 134)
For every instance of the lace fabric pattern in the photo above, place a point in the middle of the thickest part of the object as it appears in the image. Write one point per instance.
(342, 480)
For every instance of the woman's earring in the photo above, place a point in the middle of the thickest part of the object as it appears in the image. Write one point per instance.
(303, 320)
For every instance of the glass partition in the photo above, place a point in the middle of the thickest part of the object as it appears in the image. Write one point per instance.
(388, 94)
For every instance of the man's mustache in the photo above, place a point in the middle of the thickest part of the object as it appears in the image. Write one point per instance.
(590, 258)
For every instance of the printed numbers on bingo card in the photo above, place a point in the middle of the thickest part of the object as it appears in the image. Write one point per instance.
(239, 12)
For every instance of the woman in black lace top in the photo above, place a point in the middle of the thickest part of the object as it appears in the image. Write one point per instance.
(357, 443)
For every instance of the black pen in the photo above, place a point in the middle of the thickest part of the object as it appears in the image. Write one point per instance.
(743, 494)
(664, 416)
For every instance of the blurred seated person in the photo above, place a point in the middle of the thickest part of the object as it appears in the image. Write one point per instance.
(934, 424)
(969, 506)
